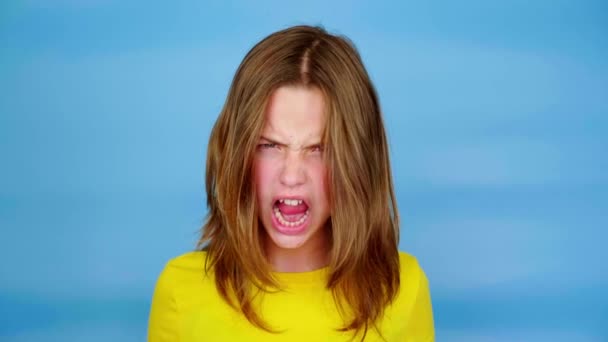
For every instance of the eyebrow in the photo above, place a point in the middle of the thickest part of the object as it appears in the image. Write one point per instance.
(283, 144)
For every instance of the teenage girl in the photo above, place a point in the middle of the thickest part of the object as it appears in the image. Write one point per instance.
(300, 242)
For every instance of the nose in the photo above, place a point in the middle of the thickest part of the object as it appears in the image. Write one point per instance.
(293, 173)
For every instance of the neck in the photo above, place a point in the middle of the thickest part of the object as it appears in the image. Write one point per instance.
(311, 256)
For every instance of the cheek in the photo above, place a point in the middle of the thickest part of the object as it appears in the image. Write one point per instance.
(263, 174)
(320, 180)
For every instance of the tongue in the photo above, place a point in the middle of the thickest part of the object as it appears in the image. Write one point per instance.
(292, 209)
(292, 213)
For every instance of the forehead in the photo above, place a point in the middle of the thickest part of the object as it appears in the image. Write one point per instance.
(295, 114)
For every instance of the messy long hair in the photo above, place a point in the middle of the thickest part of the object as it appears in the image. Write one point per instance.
(364, 223)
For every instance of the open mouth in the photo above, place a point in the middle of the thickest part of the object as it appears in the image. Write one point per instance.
(291, 213)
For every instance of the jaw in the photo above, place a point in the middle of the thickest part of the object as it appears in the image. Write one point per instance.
(297, 253)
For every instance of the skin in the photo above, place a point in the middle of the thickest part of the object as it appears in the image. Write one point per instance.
(289, 164)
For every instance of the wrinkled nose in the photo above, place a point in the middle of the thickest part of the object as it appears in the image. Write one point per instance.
(293, 173)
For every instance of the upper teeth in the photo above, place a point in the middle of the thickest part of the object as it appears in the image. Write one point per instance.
(291, 201)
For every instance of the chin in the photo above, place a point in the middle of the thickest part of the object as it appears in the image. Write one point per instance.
(292, 240)
(287, 242)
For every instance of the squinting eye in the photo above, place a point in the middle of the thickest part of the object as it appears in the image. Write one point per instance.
(267, 145)
(317, 148)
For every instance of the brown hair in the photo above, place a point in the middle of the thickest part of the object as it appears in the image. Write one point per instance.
(364, 223)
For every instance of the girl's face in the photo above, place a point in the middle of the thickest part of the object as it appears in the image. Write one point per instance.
(290, 172)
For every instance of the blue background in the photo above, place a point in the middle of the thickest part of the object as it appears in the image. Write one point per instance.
(496, 112)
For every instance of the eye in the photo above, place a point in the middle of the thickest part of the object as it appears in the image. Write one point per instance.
(265, 146)
(316, 148)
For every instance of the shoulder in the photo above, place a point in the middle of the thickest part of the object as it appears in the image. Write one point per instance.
(187, 268)
(409, 265)
(412, 275)
(190, 261)
(410, 316)
(413, 303)
(181, 285)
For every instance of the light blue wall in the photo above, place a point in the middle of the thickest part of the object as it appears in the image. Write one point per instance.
(497, 114)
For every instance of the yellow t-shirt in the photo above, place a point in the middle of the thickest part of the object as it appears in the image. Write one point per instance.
(187, 307)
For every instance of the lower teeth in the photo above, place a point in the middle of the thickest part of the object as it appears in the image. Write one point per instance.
(283, 221)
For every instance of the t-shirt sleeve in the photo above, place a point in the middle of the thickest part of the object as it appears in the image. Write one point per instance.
(421, 325)
(162, 323)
